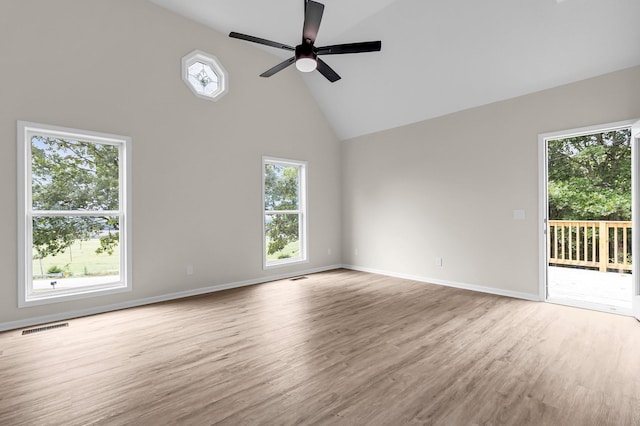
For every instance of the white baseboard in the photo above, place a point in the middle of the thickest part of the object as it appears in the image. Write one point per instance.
(63, 316)
(473, 287)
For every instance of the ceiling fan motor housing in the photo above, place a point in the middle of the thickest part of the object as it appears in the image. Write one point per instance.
(305, 50)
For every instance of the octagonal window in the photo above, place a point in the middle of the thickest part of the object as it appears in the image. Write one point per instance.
(204, 75)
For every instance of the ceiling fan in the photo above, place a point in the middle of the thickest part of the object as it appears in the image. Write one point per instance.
(306, 54)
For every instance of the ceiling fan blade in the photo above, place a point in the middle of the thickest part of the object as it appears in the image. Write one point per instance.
(327, 71)
(279, 67)
(337, 49)
(312, 17)
(259, 40)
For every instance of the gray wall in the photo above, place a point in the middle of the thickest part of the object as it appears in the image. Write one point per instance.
(447, 187)
(114, 66)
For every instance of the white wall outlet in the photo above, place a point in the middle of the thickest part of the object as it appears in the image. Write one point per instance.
(355, 252)
(438, 261)
(519, 214)
(329, 252)
(189, 269)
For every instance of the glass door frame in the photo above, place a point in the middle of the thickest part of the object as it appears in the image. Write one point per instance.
(543, 210)
(635, 216)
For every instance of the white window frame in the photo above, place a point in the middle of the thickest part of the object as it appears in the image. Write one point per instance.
(26, 295)
(217, 68)
(301, 211)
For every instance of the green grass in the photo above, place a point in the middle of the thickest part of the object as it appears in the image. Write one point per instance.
(290, 250)
(81, 259)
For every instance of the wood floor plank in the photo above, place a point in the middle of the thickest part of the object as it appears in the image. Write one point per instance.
(340, 347)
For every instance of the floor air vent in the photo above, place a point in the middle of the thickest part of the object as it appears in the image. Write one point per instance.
(298, 278)
(44, 328)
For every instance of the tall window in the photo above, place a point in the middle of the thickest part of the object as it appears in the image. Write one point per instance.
(284, 202)
(74, 214)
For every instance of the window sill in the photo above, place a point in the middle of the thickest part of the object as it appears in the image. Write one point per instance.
(284, 262)
(76, 294)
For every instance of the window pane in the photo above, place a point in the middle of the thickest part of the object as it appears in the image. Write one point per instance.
(282, 236)
(73, 175)
(75, 251)
(203, 79)
(281, 185)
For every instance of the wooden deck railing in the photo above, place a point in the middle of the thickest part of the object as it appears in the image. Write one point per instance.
(591, 244)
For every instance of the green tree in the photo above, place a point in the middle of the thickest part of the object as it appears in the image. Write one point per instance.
(70, 175)
(590, 177)
(281, 194)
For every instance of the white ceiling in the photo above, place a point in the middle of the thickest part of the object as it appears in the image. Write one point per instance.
(437, 57)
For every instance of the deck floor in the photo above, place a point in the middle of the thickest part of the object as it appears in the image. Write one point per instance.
(610, 289)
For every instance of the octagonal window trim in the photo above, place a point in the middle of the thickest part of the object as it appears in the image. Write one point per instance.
(204, 75)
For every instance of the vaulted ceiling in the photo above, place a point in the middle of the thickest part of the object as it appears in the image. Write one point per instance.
(438, 56)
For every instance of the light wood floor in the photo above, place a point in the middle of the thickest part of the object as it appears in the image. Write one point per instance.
(340, 347)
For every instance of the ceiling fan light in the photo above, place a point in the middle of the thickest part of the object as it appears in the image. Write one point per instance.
(306, 64)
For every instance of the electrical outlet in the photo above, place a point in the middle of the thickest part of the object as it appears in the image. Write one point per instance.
(438, 261)
(189, 269)
(329, 252)
(355, 252)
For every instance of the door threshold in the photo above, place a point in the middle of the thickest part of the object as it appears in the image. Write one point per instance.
(618, 310)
